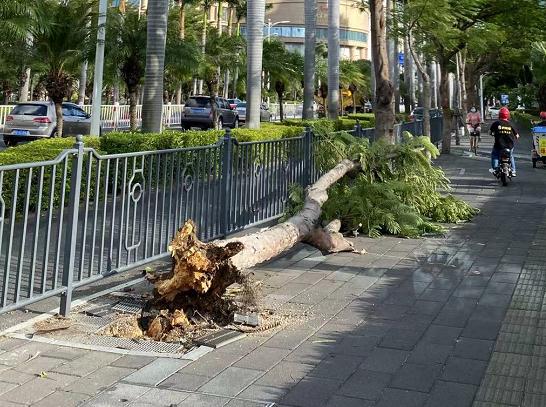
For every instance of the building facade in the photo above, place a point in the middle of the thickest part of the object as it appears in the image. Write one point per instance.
(287, 21)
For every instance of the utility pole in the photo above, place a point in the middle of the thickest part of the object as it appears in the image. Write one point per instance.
(99, 68)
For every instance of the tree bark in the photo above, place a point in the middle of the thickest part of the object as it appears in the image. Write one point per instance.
(444, 101)
(408, 77)
(462, 79)
(152, 106)
(23, 94)
(255, 27)
(333, 59)
(310, 7)
(384, 109)
(133, 101)
(422, 68)
(59, 115)
(181, 19)
(83, 83)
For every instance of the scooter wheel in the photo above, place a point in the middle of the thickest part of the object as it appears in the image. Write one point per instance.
(504, 180)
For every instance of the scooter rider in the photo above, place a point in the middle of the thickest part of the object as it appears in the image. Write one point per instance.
(473, 121)
(505, 137)
(542, 123)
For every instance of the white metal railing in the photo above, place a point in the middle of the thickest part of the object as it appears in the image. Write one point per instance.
(291, 110)
(117, 116)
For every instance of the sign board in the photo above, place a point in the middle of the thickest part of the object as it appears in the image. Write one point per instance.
(504, 100)
(400, 58)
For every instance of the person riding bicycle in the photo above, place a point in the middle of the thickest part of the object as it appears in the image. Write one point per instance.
(505, 137)
(473, 121)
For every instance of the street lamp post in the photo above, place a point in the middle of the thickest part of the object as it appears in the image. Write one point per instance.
(99, 67)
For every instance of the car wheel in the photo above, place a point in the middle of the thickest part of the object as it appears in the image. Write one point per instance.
(10, 143)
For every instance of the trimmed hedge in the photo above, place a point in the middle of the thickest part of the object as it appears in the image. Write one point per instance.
(523, 120)
(43, 150)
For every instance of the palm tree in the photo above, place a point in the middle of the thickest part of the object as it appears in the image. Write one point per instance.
(126, 51)
(310, 7)
(333, 58)
(352, 78)
(284, 67)
(152, 105)
(254, 34)
(61, 38)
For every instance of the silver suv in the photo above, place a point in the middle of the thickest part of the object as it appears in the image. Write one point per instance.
(33, 120)
(198, 113)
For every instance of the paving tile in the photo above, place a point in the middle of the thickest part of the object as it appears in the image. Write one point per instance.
(398, 338)
(355, 345)
(184, 381)
(501, 390)
(87, 363)
(39, 364)
(339, 401)
(426, 307)
(431, 294)
(482, 329)
(288, 338)
(338, 367)
(471, 348)
(203, 400)
(263, 358)
(163, 397)
(384, 360)
(449, 394)
(263, 393)
(157, 371)
(246, 403)
(467, 371)
(132, 362)
(310, 352)
(121, 394)
(62, 398)
(231, 381)
(98, 380)
(311, 392)
(406, 398)
(416, 377)
(37, 388)
(430, 353)
(441, 335)
(534, 400)
(11, 343)
(365, 384)
(13, 376)
(495, 300)
(285, 374)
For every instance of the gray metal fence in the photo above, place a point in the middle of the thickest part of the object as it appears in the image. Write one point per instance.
(69, 221)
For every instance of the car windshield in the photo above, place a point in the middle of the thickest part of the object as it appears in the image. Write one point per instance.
(242, 105)
(30, 110)
(198, 102)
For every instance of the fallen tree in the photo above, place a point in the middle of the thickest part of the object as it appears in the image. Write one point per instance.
(194, 290)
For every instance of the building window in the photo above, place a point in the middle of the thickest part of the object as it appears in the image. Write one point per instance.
(322, 33)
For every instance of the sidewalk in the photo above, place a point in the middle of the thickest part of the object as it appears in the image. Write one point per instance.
(440, 322)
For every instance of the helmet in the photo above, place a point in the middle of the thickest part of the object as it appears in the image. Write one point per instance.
(543, 115)
(504, 113)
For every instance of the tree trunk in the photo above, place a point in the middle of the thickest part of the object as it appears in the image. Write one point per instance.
(226, 84)
(59, 115)
(462, 79)
(230, 21)
(219, 17)
(179, 94)
(203, 42)
(444, 100)
(384, 109)
(152, 106)
(255, 25)
(310, 7)
(422, 68)
(408, 74)
(235, 80)
(133, 101)
(333, 59)
(353, 95)
(23, 94)
(182, 19)
(281, 107)
(83, 83)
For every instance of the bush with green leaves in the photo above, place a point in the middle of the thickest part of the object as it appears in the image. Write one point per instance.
(397, 190)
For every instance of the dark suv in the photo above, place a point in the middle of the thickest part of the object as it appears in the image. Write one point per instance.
(198, 113)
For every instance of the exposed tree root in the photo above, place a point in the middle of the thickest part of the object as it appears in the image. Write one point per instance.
(195, 288)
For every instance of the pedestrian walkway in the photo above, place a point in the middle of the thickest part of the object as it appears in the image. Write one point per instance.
(450, 321)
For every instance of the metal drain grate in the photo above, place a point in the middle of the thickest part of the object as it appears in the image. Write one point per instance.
(92, 323)
(129, 344)
(129, 306)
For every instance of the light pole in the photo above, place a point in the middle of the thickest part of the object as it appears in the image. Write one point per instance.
(99, 67)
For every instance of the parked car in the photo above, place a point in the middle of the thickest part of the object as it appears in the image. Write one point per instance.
(493, 112)
(265, 115)
(33, 120)
(418, 112)
(234, 102)
(198, 113)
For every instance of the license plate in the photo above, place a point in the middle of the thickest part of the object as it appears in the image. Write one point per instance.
(198, 110)
(21, 132)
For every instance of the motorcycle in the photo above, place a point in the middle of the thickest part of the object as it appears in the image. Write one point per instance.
(504, 171)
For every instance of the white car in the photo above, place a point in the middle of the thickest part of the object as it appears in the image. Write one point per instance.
(493, 112)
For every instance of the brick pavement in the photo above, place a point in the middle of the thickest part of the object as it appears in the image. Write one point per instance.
(451, 321)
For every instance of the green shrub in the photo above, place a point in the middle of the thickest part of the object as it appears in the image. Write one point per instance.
(523, 120)
(365, 119)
